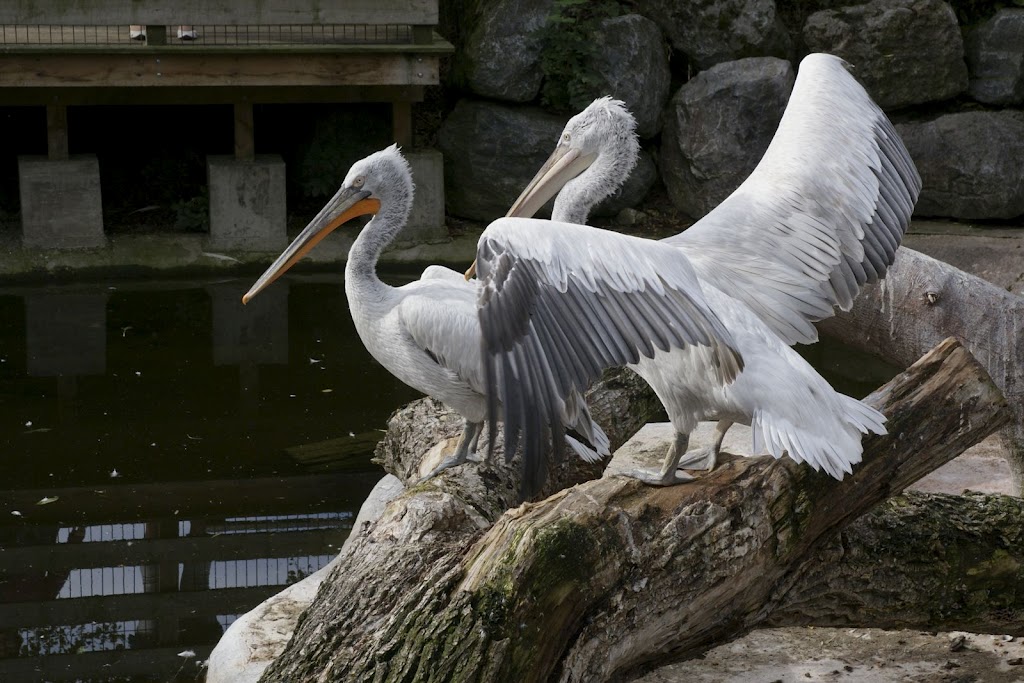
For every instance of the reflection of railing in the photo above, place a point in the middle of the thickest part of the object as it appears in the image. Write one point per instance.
(114, 583)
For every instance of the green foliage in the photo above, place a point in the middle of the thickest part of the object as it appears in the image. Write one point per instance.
(339, 138)
(568, 50)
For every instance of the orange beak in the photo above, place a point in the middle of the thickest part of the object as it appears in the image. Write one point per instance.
(343, 207)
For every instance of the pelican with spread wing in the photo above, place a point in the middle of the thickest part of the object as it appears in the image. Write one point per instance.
(427, 332)
(822, 214)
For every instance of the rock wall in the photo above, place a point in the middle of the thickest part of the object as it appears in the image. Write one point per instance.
(708, 80)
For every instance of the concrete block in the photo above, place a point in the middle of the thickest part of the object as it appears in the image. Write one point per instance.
(426, 222)
(61, 206)
(256, 333)
(247, 203)
(66, 334)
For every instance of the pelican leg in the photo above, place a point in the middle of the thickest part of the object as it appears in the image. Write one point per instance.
(474, 448)
(706, 458)
(469, 434)
(668, 475)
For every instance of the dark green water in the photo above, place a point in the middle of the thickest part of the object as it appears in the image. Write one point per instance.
(152, 490)
(172, 458)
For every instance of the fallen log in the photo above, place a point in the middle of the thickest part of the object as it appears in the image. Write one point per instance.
(609, 577)
(922, 301)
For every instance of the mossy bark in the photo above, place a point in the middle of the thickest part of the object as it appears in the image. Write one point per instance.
(601, 580)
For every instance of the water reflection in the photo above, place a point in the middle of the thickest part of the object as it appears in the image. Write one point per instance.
(171, 459)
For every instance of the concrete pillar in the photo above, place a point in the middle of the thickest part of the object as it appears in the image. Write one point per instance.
(66, 334)
(426, 223)
(247, 203)
(61, 206)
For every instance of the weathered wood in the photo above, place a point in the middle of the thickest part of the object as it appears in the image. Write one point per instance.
(57, 132)
(245, 138)
(401, 123)
(19, 96)
(610, 576)
(211, 69)
(919, 561)
(113, 12)
(923, 300)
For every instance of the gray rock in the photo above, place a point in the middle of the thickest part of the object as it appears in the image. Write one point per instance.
(717, 128)
(905, 51)
(632, 65)
(491, 151)
(501, 58)
(636, 187)
(971, 164)
(713, 31)
(995, 58)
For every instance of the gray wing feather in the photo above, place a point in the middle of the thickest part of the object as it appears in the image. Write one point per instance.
(559, 303)
(821, 215)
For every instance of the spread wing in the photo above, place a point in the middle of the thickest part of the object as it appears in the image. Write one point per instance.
(559, 303)
(822, 214)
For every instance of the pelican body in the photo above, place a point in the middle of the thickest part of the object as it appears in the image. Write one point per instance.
(822, 214)
(426, 333)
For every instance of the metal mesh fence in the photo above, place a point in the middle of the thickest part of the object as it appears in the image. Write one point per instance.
(200, 35)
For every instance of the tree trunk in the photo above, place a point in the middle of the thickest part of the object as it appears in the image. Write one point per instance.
(922, 301)
(606, 578)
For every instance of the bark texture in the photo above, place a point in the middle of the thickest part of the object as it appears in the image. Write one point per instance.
(608, 577)
(922, 301)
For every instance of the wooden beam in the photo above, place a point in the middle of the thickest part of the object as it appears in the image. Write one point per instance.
(422, 35)
(194, 70)
(210, 95)
(115, 12)
(401, 123)
(57, 132)
(245, 139)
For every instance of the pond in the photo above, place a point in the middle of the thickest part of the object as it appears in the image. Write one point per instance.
(172, 458)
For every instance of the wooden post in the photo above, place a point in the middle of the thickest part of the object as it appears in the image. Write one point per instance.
(245, 140)
(156, 35)
(401, 123)
(57, 132)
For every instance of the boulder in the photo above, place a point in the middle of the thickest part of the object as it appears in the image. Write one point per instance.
(491, 151)
(995, 58)
(713, 31)
(632, 65)
(905, 51)
(717, 128)
(971, 164)
(501, 58)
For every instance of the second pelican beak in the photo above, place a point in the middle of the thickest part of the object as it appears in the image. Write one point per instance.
(564, 164)
(348, 203)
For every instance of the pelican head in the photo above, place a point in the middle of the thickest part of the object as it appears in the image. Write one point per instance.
(603, 138)
(383, 176)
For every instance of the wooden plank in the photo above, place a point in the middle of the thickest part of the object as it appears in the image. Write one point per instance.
(245, 140)
(147, 663)
(211, 95)
(401, 123)
(246, 546)
(208, 70)
(100, 12)
(132, 606)
(57, 132)
(438, 46)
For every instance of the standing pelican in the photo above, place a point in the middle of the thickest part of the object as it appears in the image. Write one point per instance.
(426, 332)
(822, 214)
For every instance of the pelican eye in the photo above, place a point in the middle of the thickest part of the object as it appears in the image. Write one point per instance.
(358, 182)
(566, 137)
